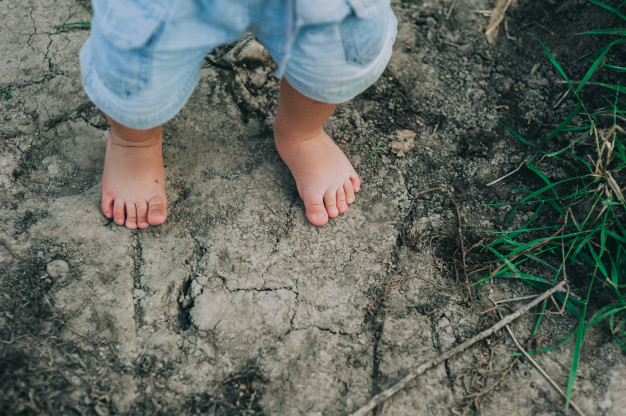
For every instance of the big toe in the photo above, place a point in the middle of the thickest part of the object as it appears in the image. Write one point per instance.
(315, 210)
(157, 211)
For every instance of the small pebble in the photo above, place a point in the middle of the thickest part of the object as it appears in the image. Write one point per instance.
(58, 268)
(257, 78)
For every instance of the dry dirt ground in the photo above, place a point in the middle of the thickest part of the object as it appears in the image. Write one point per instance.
(237, 305)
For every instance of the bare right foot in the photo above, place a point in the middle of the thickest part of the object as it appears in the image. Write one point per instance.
(133, 181)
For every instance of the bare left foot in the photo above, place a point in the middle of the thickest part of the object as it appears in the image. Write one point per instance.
(324, 176)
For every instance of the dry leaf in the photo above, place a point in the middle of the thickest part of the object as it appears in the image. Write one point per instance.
(405, 142)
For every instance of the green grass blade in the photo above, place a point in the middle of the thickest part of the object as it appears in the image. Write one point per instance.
(609, 8)
(594, 67)
(517, 135)
(603, 233)
(604, 313)
(619, 337)
(597, 260)
(555, 63)
(617, 88)
(563, 124)
(543, 308)
(588, 131)
(615, 67)
(614, 31)
(577, 348)
(551, 187)
(73, 24)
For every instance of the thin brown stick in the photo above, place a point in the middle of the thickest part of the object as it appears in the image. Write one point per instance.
(462, 243)
(508, 174)
(429, 190)
(497, 302)
(497, 15)
(8, 248)
(541, 370)
(418, 194)
(384, 395)
(450, 9)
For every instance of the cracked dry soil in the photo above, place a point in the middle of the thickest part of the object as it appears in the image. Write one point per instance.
(237, 305)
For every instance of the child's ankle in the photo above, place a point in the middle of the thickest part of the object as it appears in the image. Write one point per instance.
(147, 140)
(289, 131)
(128, 137)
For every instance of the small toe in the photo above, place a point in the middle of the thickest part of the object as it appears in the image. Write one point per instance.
(349, 191)
(107, 206)
(315, 209)
(118, 212)
(356, 182)
(330, 201)
(142, 214)
(131, 216)
(342, 206)
(157, 211)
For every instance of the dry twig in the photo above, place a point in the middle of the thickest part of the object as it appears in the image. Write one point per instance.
(9, 249)
(497, 15)
(421, 193)
(384, 395)
(462, 243)
(450, 9)
(538, 367)
(397, 283)
(508, 174)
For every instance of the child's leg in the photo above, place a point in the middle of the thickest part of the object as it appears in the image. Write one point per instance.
(140, 64)
(327, 52)
(325, 178)
(133, 181)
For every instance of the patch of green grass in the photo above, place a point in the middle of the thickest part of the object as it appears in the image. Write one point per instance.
(577, 228)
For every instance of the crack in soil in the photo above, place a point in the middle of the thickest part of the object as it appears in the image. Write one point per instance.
(137, 267)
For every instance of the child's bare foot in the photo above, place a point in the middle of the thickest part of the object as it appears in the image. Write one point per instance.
(133, 182)
(325, 178)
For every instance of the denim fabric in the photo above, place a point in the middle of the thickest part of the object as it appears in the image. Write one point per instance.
(142, 59)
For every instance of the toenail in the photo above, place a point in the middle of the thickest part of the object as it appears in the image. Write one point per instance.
(320, 216)
(143, 224)
(350, 199)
